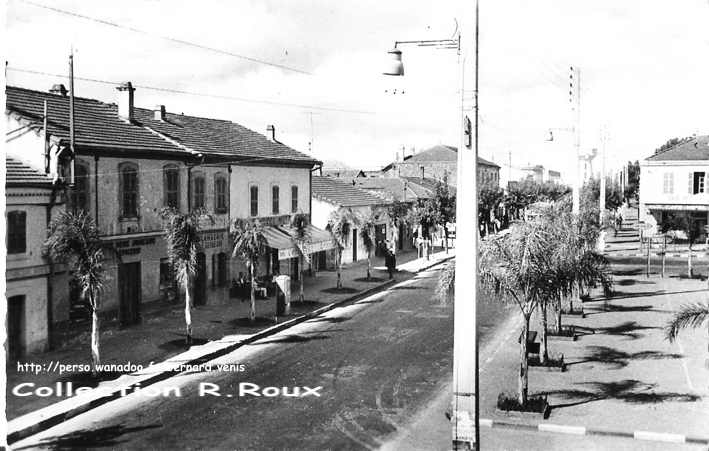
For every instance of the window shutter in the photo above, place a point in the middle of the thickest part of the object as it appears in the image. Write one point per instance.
(691, 182)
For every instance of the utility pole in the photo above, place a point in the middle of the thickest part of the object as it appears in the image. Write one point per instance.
(465, 418)
(71, 117)
(602, 197)
(575, 99)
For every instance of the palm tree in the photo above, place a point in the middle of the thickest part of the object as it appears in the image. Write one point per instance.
(182, 241)
(689, 315)
(249, 245)
(74, 238)
(515, 266)
(340, 225)
(367, 232)
(299, 223)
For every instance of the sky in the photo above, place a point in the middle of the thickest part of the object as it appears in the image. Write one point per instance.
(644, 70)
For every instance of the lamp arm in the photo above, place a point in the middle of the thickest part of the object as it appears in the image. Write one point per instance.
(429, 41)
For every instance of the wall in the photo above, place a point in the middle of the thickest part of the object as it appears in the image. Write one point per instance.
(652, 183)
(243, 177)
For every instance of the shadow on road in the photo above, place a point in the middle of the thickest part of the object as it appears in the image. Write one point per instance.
(617, 359)
(627, 329)
(628, 390)
(90, 438)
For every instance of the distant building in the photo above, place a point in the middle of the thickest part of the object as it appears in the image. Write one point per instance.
(32, 200)
(440, 162)
(554, 176)
(676, 180)
(533, 173)
(331, 194)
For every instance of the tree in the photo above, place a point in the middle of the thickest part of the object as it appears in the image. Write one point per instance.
(489, 200)
(689, 315)
(399, 216)
(299, 223)
(367, 232)
(672, 142)
(249, 245)
(340, 225)
(74, 238)
(182, 241)
(684, 221)
(444, 207)
(425, 215)
(515, 265)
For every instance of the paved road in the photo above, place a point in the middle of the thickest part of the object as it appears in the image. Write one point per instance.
(378, 361)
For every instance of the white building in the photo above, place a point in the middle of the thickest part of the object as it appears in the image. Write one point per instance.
(130, 162)
(332, 194)
(676, 180)
(31, 201)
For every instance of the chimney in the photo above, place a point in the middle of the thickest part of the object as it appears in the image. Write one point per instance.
(271, 133)
(159, 113)
(59, 89)
(125, 101)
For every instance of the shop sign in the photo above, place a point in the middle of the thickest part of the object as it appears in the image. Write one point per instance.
(132, 247)
(212, 240)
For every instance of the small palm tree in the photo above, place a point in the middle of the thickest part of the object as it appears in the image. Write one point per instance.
(689, 315)
(299, 223)
(74, 238)
(249, 245)
(515, 266)
(340, 225)
(182, 241)
(367, 233)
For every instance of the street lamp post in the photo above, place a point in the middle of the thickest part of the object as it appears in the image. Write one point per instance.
(465, 427)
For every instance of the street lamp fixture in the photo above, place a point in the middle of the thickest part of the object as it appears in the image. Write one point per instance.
(464, 418)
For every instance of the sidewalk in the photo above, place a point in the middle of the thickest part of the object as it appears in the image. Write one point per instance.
(147, 343)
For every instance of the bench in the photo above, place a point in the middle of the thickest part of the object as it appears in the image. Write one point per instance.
(532, 344)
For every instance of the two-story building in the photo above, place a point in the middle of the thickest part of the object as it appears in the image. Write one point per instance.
(676, 180)
(130, 163)
(31, 201)
(440, 163)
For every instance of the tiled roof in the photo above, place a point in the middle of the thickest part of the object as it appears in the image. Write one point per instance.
(21, 174)
(344, 194)
(219, 136)
(392, 188)
(442, 153)
(97, 125)
(695, 149)
(427, 183)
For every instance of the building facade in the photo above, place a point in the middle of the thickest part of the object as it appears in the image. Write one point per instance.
(676, 180)
(31, 202)
(440, 163)
(130, 163)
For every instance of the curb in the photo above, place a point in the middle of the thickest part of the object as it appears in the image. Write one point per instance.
(90, 404)
(582, 430)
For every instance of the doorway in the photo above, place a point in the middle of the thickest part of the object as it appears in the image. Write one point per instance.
(200, 282)
(15, 327)
(130, 287)
(354, 245)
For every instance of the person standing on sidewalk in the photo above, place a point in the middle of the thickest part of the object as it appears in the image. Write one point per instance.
(389, 262)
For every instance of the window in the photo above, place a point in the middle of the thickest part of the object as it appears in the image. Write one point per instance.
(129, 190)
(221, 269)
(80, 192)
(16, 232)
(294, 199)
(171, 179)
(254, 200)
(668, 183)
(697, 182)
(275, 195)
(220, 193)
(198, 191)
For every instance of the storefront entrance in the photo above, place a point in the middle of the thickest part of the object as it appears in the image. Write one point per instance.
(200, 282)
(15, 327)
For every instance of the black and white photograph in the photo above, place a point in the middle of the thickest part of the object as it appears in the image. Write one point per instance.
(355, 225)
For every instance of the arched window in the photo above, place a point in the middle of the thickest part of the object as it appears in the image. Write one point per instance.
(198, 189)
(129, 190)
(80, 192)
(171, 186)
(275, 199)
(220, 194)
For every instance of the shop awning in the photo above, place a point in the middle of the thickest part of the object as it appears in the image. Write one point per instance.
(278, 239)
(318, 239)
(678, 207)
